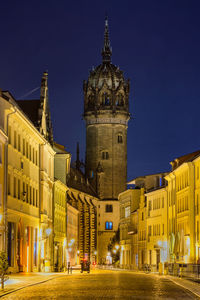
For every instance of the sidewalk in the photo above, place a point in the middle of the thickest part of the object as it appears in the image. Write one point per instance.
(190, 285)
(21, 280)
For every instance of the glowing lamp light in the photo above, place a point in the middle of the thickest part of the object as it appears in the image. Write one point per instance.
(78, 252)
(1, 217)
(160, 243)
(117, 247)
(48, 231)
(108, 253)
(114, 251)
(95, 252)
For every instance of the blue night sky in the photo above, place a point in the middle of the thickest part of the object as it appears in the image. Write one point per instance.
(155, 43)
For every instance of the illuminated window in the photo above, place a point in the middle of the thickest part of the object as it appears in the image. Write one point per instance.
(109, 208)
(127, 211)
(109, 225)
(105, 155)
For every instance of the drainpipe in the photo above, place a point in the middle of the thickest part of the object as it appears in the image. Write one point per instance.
(6, 180)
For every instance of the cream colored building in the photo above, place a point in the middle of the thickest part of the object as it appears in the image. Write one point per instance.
(133, 220)
(157, 243)
(129, 203)
(59, 225)
(3, 182)
(60, 208)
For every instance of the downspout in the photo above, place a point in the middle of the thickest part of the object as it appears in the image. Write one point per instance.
(6, 180)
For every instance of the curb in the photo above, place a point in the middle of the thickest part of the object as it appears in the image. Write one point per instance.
(181, 285)
(28, 285)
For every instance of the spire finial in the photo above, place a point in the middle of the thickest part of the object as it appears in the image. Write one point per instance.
(106, 51)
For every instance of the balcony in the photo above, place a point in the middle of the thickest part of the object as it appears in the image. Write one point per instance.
(132, 230)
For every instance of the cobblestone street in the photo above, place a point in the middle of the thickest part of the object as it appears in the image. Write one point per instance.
(105, 284)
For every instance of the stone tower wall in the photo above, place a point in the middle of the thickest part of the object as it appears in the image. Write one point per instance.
(104, 138)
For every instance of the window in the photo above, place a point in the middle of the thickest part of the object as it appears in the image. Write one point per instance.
(30, 154)
(1, 195)
(36, 204)
(120, 140)
(127, 211)
(27, 193)
(19, 189)
(8, 184)
(27, 149)
(36, 157)
(9, 134)
(0, 154)
(15, 139)
(19, 143)
(105, 155)
(15, 187)
(30, 195)
(33, 196)
(23, 146)
(109, 208)
(109, 225)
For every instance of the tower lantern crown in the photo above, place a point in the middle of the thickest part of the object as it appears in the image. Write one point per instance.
(106, 89)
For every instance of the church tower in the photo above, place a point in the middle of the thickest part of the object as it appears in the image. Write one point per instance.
(106, 113)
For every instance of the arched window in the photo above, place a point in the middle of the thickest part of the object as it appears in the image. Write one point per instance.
(120, 139)
(105, 99)
(119, 100)
(105, 155)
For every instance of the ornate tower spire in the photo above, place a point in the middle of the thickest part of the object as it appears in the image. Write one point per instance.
(106, 51)
(45, 123)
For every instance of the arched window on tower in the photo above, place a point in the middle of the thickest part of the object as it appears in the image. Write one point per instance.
(105, 99)
(119, 139)
(104, 155)
(119, 100)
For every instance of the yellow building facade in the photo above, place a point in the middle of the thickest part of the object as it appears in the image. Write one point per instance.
(23, 219)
